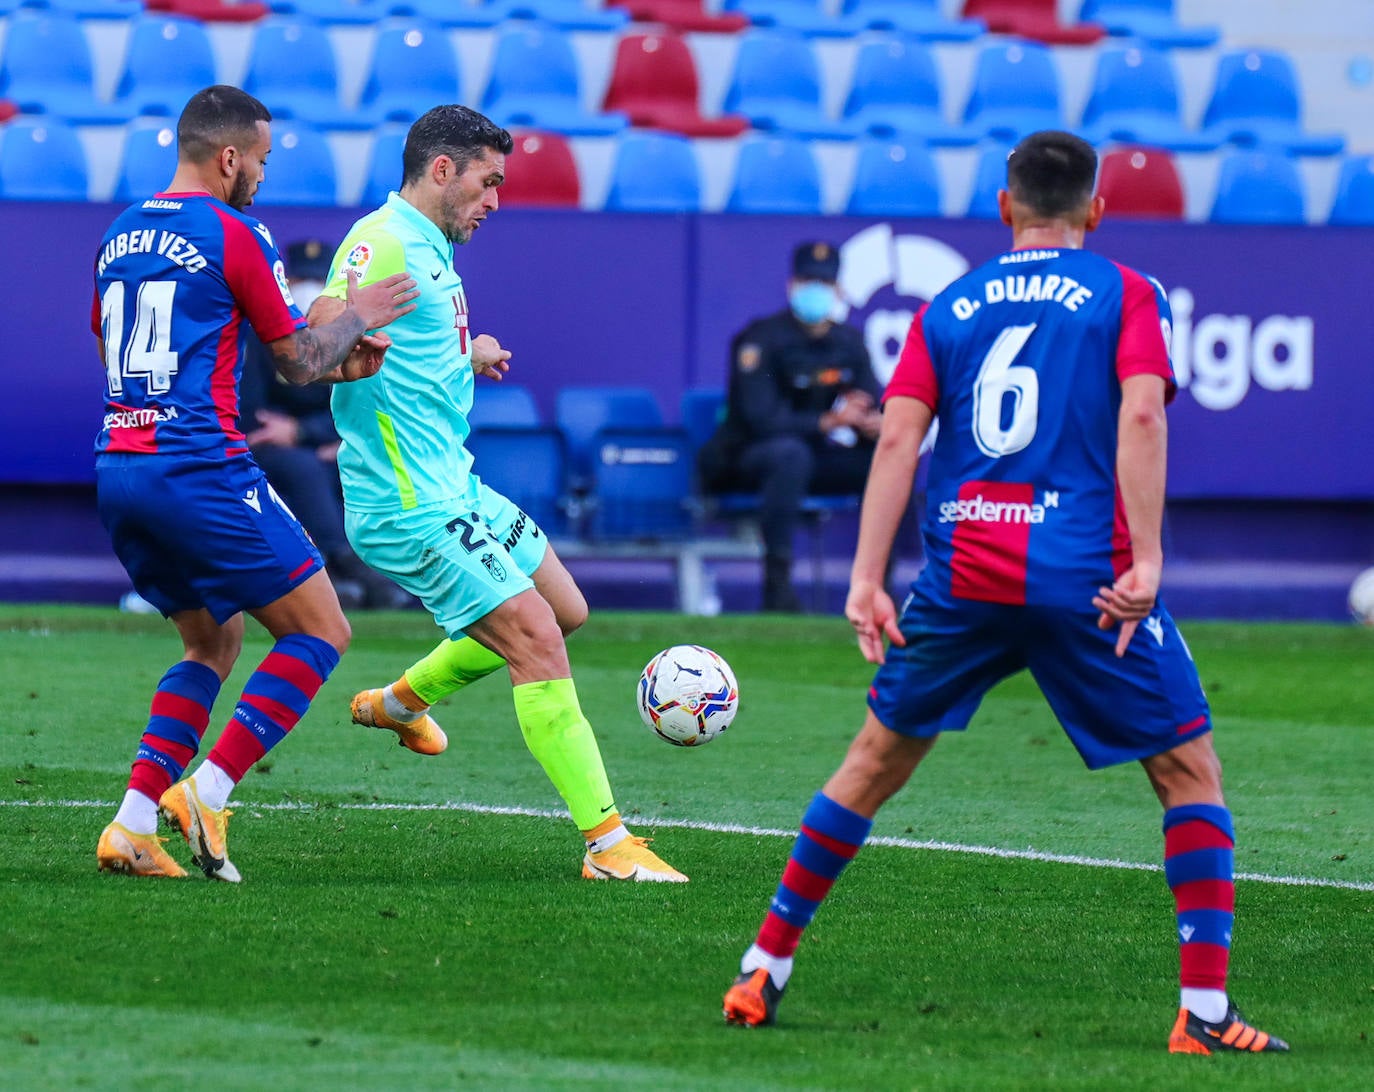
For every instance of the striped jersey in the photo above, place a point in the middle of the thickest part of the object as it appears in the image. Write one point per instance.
(1022, 360)
(175, 279)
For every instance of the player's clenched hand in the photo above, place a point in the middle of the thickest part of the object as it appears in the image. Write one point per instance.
(873, 615)
(383, 301)
(1128, 601)
(366, 358)
(488, 358)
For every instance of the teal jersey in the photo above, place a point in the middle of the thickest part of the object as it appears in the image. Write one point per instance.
(404, 429)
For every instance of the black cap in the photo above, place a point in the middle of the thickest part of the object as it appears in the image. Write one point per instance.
(308, 260)
(816, 262)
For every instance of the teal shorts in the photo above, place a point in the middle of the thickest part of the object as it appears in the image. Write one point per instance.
(461, 560)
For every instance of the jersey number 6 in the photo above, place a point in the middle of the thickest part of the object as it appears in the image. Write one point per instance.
(997, 378)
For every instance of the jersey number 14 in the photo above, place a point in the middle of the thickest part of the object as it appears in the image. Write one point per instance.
(148, 354)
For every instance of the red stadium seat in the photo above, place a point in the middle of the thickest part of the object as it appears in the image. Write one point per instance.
(1036, 19)
(1141, 182)
(211, 11)
(541, 173)
(654, 82)
(682, 15)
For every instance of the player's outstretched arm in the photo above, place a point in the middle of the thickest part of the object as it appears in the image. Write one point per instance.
(317, 351)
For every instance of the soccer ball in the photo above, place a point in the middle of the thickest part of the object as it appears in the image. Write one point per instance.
(687, 695)
(1361, 598)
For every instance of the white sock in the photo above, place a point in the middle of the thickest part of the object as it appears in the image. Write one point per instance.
(213, 785)
(600, 845)
(779, 968)
(396, 709)
(137, 813)
(1209, 1005)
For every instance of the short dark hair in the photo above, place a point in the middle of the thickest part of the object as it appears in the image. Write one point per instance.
(215, 118)
(455, 131)
(1052, 173)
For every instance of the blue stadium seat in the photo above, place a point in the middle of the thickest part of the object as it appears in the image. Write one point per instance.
(91, 9)
(642, 484)
(702, 409)
(168, 60)
(894, 178)
(1354, 202)
(654, 172)
(291, 68)
(807, 17)
(504, 405)
(566, 14)
(1259, 187)
(1015, 91)
(776, 84)
(1153, 22)
(41, 159)
(384, 165)
(1257, 102)
(535, 84)
(1135, 100)
(527, 464)
(414, 67)
(920, 18)
(149, 158)
(895, 91)
(334, 12)
(989, 176)
(776, 174)
(47, 70)
(301, 170)
(580, 412)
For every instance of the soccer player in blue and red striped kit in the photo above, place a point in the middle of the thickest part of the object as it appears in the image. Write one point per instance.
(191, 517)
(1048, 368)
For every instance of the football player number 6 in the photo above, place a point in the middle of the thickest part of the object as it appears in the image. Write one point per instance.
(149, 353)
(996, 432)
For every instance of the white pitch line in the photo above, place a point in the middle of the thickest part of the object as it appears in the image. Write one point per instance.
(757, 832)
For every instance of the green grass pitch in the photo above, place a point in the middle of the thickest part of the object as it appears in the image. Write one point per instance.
(420, 923)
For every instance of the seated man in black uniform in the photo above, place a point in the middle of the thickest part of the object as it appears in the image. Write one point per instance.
(801, 416)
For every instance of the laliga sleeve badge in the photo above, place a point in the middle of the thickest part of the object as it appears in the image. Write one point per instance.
(748, 357)
(358, 259)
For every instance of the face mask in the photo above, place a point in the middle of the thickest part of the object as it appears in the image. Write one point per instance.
(812, 301)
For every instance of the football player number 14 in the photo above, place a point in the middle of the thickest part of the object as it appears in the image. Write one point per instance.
(997, 431)
(148, 355)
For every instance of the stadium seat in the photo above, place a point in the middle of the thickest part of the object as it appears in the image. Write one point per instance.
(776, 174)
(41, 159)
(565, 14)
(335, 12)
(895, 91)
(776, 84)
(413, 68)
(504, 405)
(527, 464)
(535, 84)
(894, 178)
(920, 18)
(581, 412)
(301, 170)
(149, 158)
(47, 70)
(654, 172)
(1151, 21)
(1035, 19)
(683, 16)
(642, 486)
(1135, 100)
(1015, 91)
(384, 166)
(168, 60)
(541, 172)
(1259, 187)
(291, 68)
(449, 14)
(91, 9)
(1354, 202)
(654, 83)
(989, 176)
(1141, 182)
(212, 11)
(807, 17)
(702, 409)
(1256, 102)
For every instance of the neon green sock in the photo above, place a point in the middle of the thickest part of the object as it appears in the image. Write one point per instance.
(450, 667)
(559, 736)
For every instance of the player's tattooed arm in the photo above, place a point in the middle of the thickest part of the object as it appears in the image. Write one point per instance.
(318, 351)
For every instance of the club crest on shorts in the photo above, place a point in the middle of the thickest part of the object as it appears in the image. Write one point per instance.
(493, 566)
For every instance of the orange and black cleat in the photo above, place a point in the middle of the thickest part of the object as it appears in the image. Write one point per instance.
(753, 999)
(1193, 1035)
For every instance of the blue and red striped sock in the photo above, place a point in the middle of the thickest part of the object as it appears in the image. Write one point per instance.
(830, 836)
(1199, 864)
(275, 698)
(176, 722)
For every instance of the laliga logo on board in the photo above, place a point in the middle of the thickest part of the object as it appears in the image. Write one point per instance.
(1216, 357)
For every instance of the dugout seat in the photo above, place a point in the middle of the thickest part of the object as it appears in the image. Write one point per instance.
(535, 83)
(1014, 91)
(1141, 182)
(808, 17)
(168, 60)
(580, 412)
(919, 18)
(641, 484)
(894, 178)
(895, 91)
(1151, 21)
(301, 170)
(527, 464)
(47, 69)
(989, 176)
(683, 16)
(41, 159)
(504, 405)
(776, 84)
(1354, 202)
(1135, 100)
(292, 69)
(148, 159)
(413, 67)
(654, 172)
(541, 172)
(776, 174)
(1035, 19)
(1256, 102)
(654, 83)
(1259, 187)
